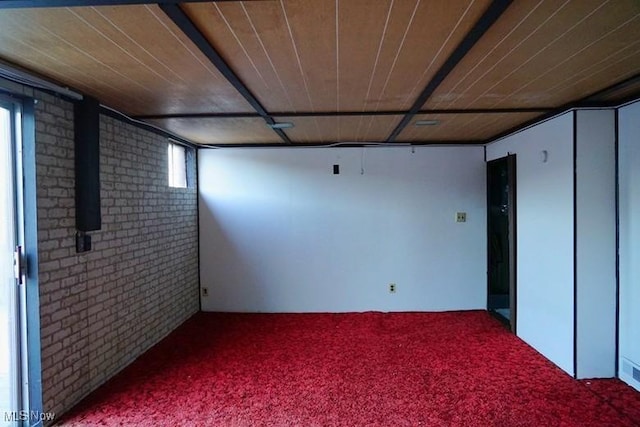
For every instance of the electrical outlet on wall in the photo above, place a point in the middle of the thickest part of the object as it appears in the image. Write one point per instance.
(461, 217)
(205, 292)
(392, 288)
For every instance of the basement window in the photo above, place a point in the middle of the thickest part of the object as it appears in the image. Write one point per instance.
(177, 166)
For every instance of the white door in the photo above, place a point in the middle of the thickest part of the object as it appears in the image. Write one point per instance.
(10, 239)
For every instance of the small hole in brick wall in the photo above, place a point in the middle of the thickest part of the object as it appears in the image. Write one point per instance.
(83, 242)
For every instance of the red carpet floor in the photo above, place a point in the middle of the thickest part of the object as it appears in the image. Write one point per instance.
(369, 369)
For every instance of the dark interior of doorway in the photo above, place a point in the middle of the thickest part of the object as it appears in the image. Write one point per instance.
(501, 238)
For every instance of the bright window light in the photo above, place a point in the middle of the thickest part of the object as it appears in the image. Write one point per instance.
(177, 166)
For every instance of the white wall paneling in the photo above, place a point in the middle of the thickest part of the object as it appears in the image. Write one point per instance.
(629, 199)
(544, 202)
(279, 232)
(566, 284)
(595, 243)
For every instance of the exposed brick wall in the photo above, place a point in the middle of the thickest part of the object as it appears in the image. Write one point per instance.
(101, 309)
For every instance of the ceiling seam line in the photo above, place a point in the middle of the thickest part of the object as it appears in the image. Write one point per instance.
(589, 101)
(447, 143)
(613, 88)
(490, 16)
(22, 4)
(189, 28)
(344, 113)
(532, 56)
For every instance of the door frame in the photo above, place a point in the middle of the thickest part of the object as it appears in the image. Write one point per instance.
(25, 147)
(16, 331)
(512, 237)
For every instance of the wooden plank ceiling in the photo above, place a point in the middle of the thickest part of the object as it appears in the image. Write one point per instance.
(340, 71)
(132, 58)
(546, 53)
(220, 130)
(462, 127)
(327, 55)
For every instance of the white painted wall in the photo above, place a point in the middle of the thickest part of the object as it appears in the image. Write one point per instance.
(596, 243)
(544, 236)
(629, 187)
(280, 233)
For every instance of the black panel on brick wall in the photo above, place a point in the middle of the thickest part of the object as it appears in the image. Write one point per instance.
(87, 164)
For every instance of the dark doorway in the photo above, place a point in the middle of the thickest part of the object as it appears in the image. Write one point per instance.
(501, 237)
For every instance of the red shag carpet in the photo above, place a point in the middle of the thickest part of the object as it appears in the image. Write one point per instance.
(368, 369)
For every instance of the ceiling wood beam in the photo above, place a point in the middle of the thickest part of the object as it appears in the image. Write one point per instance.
(342, 113)
(19, 4)
(346, 144)
(525, 125)
(491, 15)
(146, 126)
(403, 112)
(595, 100)
(185, 24)
(196, 116)
(591, 101)
(611, 90)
